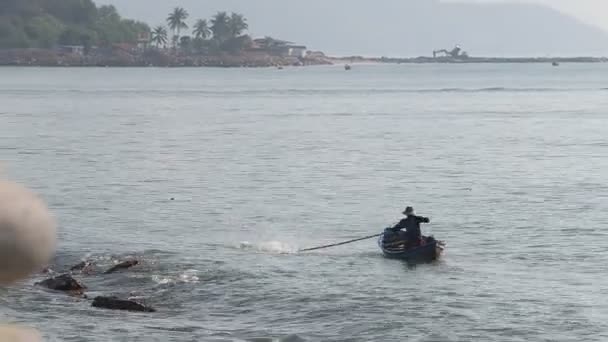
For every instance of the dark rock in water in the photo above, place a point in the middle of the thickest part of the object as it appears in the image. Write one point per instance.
(289, 338)
(64, 283)
(47, 270)
(122, 265)
(114, 303)
(292, 338)
(84, 266)
(79, 266)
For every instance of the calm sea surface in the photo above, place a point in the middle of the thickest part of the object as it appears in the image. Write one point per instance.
(510, 162)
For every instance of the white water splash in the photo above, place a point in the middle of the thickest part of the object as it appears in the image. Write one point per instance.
(189, 276)
(162, 280)
(277, 247)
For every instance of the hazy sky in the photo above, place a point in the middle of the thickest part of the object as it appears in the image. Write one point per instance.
(410, 27)
(592, 11)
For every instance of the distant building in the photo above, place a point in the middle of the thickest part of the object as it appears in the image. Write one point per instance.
(73, 49)
(279, 47)
(126, 47)
(315, 54)
(143, 39)
(269, 42)
(296, 51)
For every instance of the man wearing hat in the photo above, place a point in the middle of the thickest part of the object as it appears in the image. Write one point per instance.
(411, 224)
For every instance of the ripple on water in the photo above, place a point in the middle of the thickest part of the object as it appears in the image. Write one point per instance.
(507, 165)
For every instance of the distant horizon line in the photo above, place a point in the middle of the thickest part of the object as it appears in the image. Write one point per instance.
(367, 56)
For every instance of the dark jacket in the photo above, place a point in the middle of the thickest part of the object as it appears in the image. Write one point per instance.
(411, 224)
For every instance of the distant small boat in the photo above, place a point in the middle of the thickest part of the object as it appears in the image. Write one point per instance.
(555, 64)
(347, 67)
(280, 67)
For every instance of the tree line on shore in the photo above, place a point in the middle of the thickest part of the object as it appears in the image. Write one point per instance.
(48, 23)
(223, 32)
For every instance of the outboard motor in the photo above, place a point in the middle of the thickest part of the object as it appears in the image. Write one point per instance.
(389, 236)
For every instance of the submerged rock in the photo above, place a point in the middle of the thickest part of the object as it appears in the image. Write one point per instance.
(47, 270)
(122, 265)
(79, 266)
(64, 283)
(85, 267)
(114, 303)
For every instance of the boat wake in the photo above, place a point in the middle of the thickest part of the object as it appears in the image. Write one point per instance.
(276, 247)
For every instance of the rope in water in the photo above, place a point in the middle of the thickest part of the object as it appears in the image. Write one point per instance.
(340, 243)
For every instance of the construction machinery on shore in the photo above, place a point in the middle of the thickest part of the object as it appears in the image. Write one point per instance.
(456, 52)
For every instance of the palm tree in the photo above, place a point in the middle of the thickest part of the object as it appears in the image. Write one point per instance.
(219, 26)
(201, 29)
(237, 24)
(159, 36)
(176, 20)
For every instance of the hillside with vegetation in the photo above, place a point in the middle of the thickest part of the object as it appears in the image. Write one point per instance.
(46, 23)
(80, 33)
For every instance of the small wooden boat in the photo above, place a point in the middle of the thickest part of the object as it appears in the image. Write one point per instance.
(430, 250)
(347, 67)
(555, 64)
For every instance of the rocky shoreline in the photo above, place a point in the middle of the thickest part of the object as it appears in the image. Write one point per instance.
(66, 283)
(151, 58)
(157, 58)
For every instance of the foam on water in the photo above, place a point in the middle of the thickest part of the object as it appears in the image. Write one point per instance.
(276, 247)
(188, 276)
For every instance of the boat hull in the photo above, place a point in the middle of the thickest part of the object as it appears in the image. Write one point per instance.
(421, 254)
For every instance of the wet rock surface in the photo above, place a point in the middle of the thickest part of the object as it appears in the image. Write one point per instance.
(119, 287)
(121, 266)
(64, 282)
(114, 303)
(80, 266)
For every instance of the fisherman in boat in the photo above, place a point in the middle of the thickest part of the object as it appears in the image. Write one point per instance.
(411, 224)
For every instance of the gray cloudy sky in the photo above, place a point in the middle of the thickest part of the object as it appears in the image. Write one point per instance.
(592, 11)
